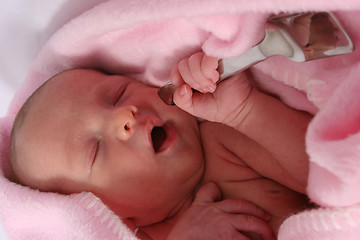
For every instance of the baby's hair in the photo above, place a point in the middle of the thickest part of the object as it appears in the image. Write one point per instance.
(18, 122)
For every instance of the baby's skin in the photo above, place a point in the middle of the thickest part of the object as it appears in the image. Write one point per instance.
(254, 150)
(237, 175)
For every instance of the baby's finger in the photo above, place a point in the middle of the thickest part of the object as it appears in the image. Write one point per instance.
(183, 98)
(175, 76)
(209, 192)
(195, 68)
(186, 75)
(248, 223)
(243, 207)
(196, 103)
(209, 66)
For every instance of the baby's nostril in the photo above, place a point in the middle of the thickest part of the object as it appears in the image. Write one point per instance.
(127, 127)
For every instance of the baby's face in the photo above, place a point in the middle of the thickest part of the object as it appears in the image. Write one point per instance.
(112, 136)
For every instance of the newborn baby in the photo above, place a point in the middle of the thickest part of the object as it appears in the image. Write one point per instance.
(156, 166)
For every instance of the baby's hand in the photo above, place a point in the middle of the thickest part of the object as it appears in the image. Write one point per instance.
(208, 218)
(222, 103)
(198, 71)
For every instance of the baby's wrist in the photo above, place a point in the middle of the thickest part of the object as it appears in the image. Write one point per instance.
(244, 110)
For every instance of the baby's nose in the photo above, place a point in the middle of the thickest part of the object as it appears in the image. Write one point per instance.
(123, 121)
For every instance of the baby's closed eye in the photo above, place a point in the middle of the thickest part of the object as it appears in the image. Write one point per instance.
(119, 94)
(94, 152)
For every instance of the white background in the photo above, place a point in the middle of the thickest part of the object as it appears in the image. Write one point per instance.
(25, 25)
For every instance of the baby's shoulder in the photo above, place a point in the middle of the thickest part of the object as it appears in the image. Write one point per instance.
(215, 135)
(214, 130)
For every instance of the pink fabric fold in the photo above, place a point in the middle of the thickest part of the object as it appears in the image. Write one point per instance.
(144, 39)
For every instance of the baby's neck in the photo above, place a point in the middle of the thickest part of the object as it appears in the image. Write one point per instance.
(162, 229)
(182, 207)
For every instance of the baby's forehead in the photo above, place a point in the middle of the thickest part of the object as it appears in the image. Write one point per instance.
(59, 90)
(75, 77)
(69, 84)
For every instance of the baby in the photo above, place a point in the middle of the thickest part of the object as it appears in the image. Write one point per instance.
(154, 165)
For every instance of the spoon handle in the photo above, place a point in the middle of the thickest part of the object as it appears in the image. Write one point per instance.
(274, 43)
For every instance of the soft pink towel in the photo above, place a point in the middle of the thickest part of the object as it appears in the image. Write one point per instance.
(143, 39)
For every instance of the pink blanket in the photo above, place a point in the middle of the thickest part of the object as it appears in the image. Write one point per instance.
(143, 39)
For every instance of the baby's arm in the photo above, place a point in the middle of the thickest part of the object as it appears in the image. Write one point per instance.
(265, 119)
(210, 218)
(281, 131)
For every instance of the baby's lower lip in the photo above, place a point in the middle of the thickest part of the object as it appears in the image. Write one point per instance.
(171, 137)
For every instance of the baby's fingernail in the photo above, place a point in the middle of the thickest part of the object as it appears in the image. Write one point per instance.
(211, 87)
(182, 90)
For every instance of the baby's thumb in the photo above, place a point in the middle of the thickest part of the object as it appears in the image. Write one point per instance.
(209, 192)
(183, 98)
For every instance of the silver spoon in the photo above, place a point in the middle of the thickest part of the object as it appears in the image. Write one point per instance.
(300, 37)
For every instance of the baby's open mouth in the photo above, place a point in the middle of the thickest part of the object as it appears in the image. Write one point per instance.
(158, 137)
